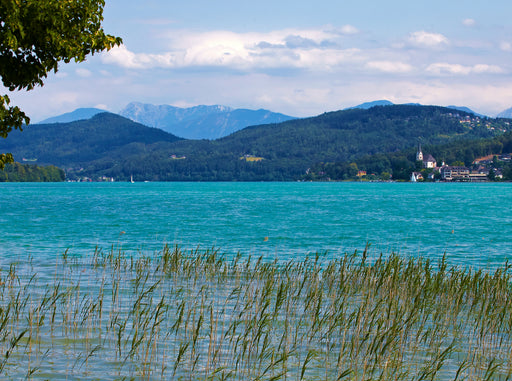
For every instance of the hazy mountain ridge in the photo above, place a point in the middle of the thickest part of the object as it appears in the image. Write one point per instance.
(368, 105)
(212, 122)
(78, 114)
(468, 110)
(199, 122)
(506, 113)
(161, 116)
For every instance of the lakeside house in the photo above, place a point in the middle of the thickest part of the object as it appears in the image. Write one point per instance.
(429, 162)
(455, 173)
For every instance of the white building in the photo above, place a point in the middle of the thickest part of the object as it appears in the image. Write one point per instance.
(428, 162)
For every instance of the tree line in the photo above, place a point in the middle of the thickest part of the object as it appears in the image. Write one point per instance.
(16, 172)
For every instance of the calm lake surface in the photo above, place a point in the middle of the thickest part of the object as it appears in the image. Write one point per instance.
(471, 223)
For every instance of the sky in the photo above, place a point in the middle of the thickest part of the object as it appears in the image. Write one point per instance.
(300, 58)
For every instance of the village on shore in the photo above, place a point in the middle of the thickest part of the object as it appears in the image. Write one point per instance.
(482, 169)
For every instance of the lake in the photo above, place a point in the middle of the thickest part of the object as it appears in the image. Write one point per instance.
(471, 223)
(172, 316)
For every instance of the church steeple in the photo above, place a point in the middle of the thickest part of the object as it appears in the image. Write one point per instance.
(419, 154)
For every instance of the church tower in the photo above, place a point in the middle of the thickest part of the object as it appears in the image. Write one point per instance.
(419, 154)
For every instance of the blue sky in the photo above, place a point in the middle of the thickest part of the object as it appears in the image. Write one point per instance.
(297, 57)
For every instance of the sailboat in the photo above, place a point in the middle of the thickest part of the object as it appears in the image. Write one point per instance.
(131, 179)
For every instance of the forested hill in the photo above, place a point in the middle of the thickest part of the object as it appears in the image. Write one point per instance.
(285, 151)
(77, 143)
(345, 135)
(109, 145)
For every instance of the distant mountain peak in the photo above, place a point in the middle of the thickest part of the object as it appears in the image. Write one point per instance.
(199, 122)
(368, 105)
(506, 113)
(465, 109)
(78, 114)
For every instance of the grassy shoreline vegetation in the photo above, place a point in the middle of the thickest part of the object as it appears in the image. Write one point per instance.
(195, 315)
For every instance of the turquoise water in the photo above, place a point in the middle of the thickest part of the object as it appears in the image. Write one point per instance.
(471, 223)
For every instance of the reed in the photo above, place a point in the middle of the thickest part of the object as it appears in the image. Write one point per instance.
(194, 315)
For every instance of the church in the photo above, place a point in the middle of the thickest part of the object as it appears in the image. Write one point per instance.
(428, 162)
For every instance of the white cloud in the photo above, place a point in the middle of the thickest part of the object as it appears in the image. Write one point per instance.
(349, 29)
(469, 22)
(307, 94)
(506, 46)
(298, 71)
(445, 68)
(63, 98)
(290, 48)
(121, 56)
(426, 39)
(84, 73)
(389, 66)
(457, 69)
(484, 68)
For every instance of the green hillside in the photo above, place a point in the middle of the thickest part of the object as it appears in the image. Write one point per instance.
(81, 142)
(109, 145)
(288, 149)
(345, 135)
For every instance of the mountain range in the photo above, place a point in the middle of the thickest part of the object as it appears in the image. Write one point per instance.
(199, 122)
(210, 122)
(114, 146)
